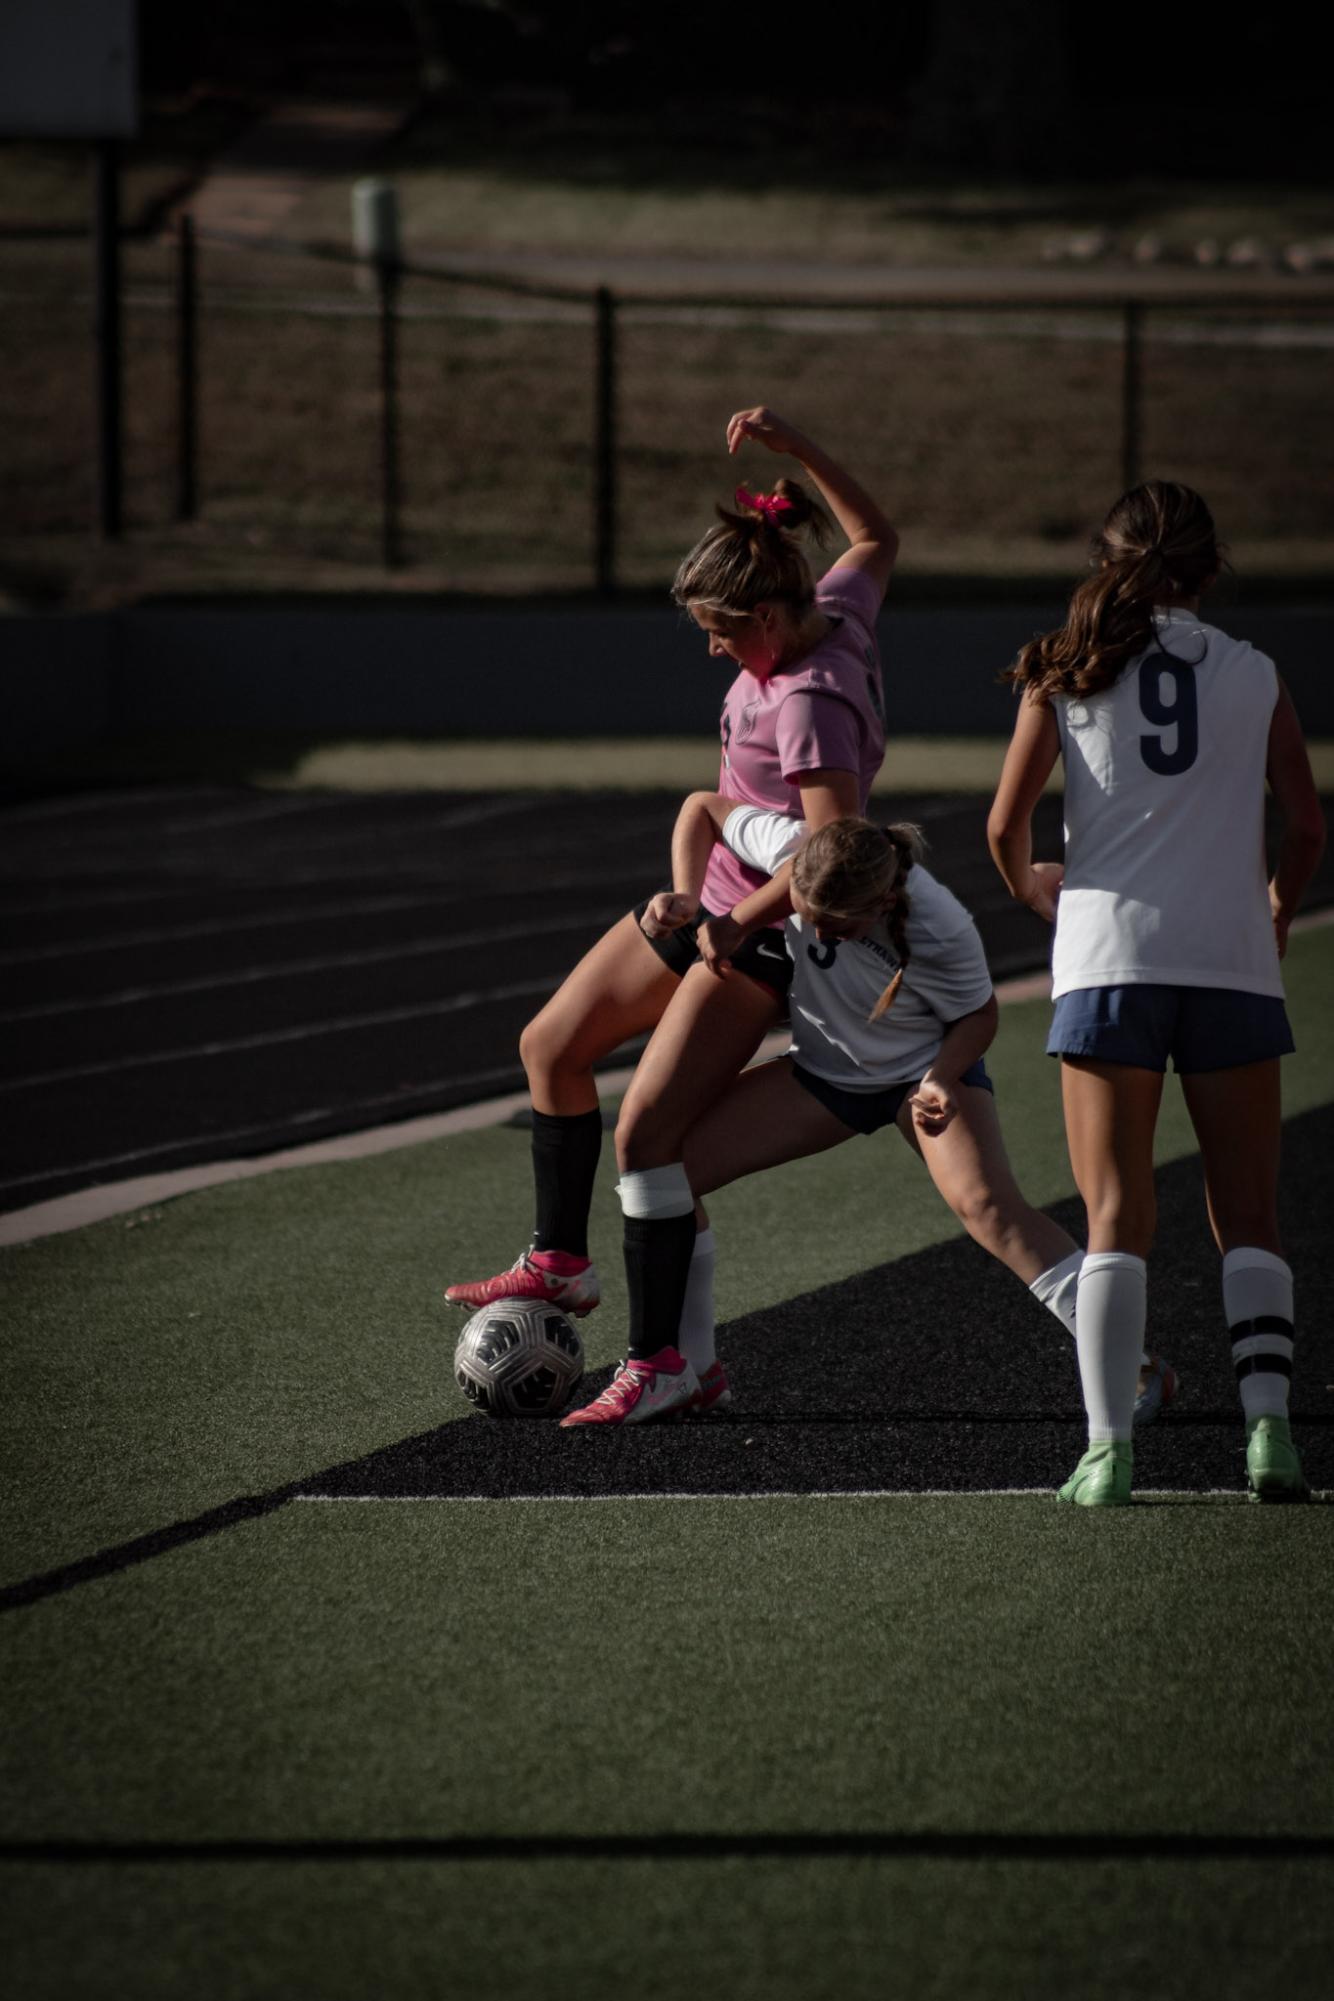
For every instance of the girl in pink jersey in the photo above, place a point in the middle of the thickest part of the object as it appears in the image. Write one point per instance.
(1168, 943)
(802, 733)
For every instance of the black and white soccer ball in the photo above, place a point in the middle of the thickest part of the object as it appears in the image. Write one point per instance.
(519, 1358)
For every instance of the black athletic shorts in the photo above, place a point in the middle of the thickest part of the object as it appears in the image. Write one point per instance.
(762, 956)
(868, 1111)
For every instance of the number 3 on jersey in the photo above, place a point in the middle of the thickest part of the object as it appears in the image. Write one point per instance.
(1179, 711)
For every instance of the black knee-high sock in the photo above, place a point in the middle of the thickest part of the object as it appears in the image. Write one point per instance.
(657, 1265)
(565, 1165)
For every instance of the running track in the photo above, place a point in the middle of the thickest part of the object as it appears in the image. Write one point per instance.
(194, 974)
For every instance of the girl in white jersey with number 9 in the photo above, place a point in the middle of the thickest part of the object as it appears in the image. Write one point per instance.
(802, 734)
(1167, 944)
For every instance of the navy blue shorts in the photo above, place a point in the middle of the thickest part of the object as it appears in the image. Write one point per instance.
(762, 956)
(868, 1111)
(1200, 1028)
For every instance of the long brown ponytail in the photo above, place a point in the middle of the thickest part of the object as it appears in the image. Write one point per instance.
(1157, 544)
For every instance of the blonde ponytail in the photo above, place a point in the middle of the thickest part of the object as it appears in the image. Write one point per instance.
(753, 555)
(850, 870)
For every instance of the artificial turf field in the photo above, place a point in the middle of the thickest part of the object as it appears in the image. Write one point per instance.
(791, 1703)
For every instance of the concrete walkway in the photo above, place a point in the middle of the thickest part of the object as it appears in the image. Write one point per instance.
(256, 184)
(648, 275)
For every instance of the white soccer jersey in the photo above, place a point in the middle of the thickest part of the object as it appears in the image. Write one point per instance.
(835, 986)
(1164, 820)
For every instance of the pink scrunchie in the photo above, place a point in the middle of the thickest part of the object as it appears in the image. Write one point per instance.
(770, 505)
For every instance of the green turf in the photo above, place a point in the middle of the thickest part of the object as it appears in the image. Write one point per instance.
(996, 1669)
(493, 764)
(634, 1670)
(418, 1669)
(234, 1340)
(731, 1930)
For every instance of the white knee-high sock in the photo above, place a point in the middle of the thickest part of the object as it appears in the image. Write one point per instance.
(1257, 1299)
(697, 1330)
(1109, 1335)
(1057, 1288)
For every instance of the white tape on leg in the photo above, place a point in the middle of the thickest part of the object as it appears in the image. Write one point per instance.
(656, 1192)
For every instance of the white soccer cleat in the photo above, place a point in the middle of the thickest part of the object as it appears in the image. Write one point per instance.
(1158, 1386)
(714, 1390)
(639, 1391)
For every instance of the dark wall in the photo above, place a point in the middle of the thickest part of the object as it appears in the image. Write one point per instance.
(536, 672)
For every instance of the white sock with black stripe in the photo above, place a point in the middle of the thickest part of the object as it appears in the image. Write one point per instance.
(1257, 1299)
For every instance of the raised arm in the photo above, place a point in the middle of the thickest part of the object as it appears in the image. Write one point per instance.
(873, 542)
(1034, 749)
(1288, 769)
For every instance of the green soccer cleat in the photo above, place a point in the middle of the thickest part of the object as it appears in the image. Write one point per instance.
(1273, 1470)
(1102, 1477)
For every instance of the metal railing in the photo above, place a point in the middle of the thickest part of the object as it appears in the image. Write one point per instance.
(617, 456)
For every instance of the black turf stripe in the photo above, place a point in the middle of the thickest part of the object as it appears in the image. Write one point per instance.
(965, 1845)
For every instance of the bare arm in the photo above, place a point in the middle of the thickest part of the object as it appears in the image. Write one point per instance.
(935, 1101)
(1034, 749)
(873, 542)
(1288, 769)
(825, 796)
(698, 825)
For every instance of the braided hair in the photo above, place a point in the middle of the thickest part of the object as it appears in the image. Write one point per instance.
(752, 555)
(849, 870)
(1157, 544)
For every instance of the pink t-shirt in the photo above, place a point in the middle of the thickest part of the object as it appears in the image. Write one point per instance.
(825, 713)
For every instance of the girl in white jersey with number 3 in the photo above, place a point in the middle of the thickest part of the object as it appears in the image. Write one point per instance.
(1167, 944)
(891, 1009)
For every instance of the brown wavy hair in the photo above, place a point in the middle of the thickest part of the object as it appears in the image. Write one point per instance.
(848, 870)
(1157, 544)
(746, 559)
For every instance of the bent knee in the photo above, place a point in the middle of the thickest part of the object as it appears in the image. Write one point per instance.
(981, 1216)
(551, 1042)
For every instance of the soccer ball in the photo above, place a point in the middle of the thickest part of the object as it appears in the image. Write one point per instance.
(519, 1358)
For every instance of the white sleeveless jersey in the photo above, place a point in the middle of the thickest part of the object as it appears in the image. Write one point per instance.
(1165, 879)
(835, 986)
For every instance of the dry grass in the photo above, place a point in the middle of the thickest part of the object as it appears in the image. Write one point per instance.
(996, 441)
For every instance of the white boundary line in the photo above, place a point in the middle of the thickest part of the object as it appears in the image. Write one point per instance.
(437, 944)
(305, 1031)
(119, 1198)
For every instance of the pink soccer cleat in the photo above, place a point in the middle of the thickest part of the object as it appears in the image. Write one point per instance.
(661, 1387)
(714, 1390)
(575, 1291)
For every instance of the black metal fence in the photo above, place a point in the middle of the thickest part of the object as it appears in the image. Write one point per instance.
(492, 432)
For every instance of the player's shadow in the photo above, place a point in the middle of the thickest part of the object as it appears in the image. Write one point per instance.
(936, 1372)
